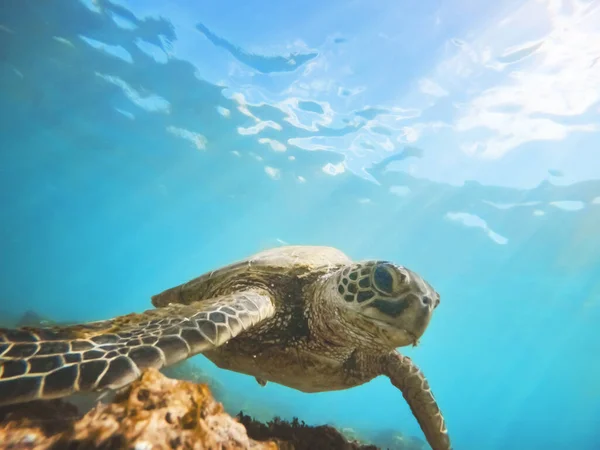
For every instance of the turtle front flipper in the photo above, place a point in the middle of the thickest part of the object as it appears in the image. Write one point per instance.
(407, 377)
(45, 363)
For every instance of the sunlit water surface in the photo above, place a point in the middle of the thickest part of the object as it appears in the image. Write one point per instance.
(145, 142)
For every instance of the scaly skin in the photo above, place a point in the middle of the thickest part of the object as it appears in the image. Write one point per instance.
(304, 317)
(45, 363)
(407, 377)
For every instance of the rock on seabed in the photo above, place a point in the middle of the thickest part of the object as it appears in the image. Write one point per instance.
(154, 413)
(157, 413)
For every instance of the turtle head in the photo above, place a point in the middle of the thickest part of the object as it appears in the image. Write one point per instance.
(395, 303)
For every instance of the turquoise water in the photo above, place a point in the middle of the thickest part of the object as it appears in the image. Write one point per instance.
(142, 145)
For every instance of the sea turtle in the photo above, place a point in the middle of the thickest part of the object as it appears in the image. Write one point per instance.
(305, 317)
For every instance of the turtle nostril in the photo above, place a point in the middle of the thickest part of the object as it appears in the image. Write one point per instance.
(427, 301)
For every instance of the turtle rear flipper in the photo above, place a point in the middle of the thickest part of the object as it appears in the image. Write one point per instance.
(45, 363)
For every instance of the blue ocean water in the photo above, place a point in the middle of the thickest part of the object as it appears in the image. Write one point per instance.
(143, 143)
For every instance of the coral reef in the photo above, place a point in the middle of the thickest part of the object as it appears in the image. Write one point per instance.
(29, 318)
(154, 413)
(157, 413)
(297, 435)
(32, 319)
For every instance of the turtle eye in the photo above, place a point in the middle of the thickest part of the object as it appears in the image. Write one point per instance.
(383, 278)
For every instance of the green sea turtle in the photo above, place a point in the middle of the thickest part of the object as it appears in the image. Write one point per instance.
(304, 317)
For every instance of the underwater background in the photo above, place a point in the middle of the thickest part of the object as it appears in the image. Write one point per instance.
(143, 143)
